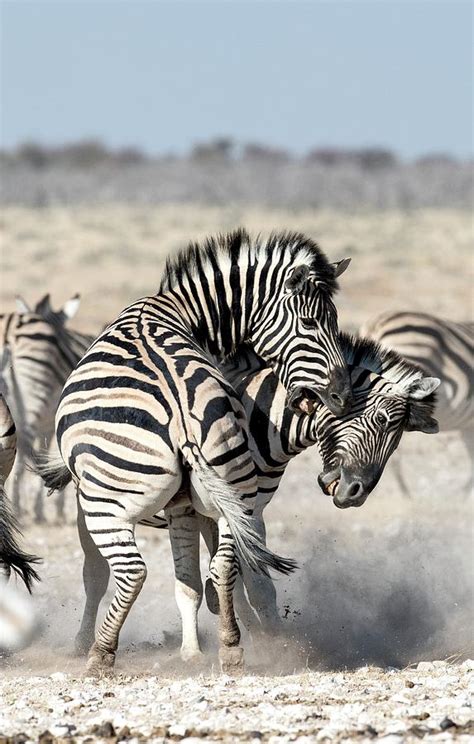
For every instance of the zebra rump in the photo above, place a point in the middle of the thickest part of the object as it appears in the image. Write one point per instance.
(249, 545)
(11, 555)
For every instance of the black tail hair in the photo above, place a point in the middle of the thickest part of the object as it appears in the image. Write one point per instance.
(11, 554)
(52, 471)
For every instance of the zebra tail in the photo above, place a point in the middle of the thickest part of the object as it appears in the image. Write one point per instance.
(227, 501)
(11, 555)
(52, 471)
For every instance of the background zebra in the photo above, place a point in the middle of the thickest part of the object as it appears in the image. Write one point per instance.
(37, 354)
(442, 348)
(148, 398)
(390, 396)
(12, 558)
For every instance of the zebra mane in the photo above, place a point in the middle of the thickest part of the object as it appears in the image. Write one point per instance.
(365, 352)
(190, 260)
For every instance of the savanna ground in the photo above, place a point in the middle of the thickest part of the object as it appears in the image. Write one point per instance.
(379, 590)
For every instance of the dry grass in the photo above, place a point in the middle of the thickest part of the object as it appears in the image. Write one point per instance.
(114, 254)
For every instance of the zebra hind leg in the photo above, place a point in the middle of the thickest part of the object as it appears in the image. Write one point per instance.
(95, 575)
(115, 539)
(224, 569)
(184, 536)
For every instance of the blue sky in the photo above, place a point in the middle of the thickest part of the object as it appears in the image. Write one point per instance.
(163, 75)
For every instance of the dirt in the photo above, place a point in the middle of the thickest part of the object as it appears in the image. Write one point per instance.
(379, 590)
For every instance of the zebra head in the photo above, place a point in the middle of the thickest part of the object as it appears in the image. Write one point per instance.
(390, 396)
(298, 336)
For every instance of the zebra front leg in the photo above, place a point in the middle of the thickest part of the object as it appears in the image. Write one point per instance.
(95, 575)
(184, 536)
(115, 540)
(224, 569)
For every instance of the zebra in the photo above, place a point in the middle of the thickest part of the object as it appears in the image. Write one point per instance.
(390, 396)
(37, 354)
(148, 409)
(442, 348)
(12, 557)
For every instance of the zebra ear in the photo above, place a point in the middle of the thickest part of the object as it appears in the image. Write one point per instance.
(421, 388)
(340, 266)
(43, 307)
(21, 305)
(419, 420)
(71, 307)
(298, 278)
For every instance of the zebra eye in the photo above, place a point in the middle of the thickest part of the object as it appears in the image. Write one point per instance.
(381, 419)
(309, 323)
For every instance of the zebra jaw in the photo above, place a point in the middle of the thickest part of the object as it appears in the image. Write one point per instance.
(332, 487)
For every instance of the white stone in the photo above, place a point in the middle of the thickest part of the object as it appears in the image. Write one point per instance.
(425, 666)
(58, 676)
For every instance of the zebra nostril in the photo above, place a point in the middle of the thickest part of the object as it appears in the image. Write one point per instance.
(336, 398)
(354, 489)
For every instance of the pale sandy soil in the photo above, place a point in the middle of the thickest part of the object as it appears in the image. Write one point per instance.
(379, 589)
(114, 254)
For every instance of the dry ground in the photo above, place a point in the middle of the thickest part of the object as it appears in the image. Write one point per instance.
(379, 589)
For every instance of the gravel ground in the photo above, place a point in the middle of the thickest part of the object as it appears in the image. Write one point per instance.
(430, 702)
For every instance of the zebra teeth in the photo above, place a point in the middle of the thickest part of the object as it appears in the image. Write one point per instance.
(332, 488)
(306, 405)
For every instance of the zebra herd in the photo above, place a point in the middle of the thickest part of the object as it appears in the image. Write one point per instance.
(192, 403)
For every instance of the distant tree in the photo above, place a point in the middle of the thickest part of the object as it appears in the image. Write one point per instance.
(220, 148)
(436, 158)
(369, 158)
(84, 154)
(256, 151)
(375, 158)
(129, 156)
(33, 155)
(328, 156)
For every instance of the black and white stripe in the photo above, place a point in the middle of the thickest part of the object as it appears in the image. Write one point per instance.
(390, 396)
(38, 353)
(148, 402)
(441, 348)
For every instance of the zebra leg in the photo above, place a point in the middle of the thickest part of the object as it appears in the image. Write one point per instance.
(184, 537)
(224, 569)
(116, 543)
(210, 534)
(261, 592)
(95, 575)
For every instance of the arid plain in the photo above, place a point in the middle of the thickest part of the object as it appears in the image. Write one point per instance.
(379, 590)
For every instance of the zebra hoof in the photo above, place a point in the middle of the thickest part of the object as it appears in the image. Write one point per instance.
(192, 656)
(212, 600)
(231, 659)
(100, 662)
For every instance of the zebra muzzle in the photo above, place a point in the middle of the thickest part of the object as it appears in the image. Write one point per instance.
(302, 400)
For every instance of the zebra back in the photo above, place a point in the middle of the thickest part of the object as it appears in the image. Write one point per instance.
(441, 348)
(37, 355)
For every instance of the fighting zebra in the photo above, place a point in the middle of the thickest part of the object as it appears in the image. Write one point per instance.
(12, 557)
(37, 354)
(147, 408)
(390, 396)
(442, 348)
